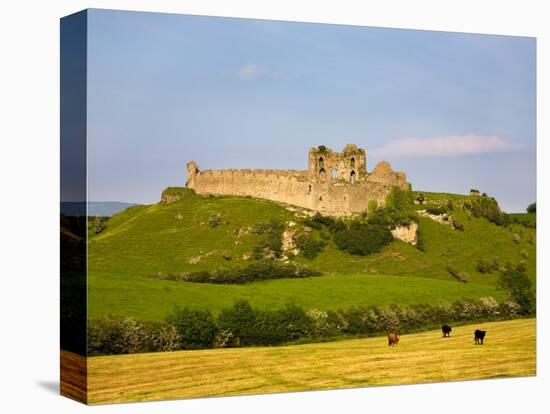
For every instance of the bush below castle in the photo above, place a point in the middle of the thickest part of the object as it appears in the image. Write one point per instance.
(255, 271)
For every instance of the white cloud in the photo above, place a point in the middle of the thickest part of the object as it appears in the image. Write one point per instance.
(443, 146)
(250, 71)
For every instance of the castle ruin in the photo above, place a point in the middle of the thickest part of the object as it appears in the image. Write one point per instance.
(335, 183)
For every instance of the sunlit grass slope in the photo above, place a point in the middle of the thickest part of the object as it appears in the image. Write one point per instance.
(178, 237)
(153, 299)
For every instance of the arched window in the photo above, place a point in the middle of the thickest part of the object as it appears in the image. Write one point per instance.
(352, 163)
(334, 174)
(352, 177)
(309, 190)
(322, 172)
(321, 162)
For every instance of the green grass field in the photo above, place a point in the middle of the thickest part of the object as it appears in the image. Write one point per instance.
(509, 350)
(174, 238)
(152, 300)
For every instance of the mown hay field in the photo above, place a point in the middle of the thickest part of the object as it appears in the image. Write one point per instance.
(509, 350)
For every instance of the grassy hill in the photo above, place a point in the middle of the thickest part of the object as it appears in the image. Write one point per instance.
(509, 350)
(208, 233)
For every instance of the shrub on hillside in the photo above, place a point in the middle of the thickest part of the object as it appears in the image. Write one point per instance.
(488, 306)
(318, 221)
(309, 245)
(443, 313)
(295, 320)
(532, 208)
(399, 199)
(259, 270)
(314, 222)
(466, 309)
(392, 217)
(458, 275)
(487, 265)
(164, 338)
(488, 207)
(358, 320)
(437, 210)
(196, 328)
(240, 320)
(458, 225)
(518, 286)
(509, 307)
(528, 221)
(408, 316)
(99, 224)
(362, 239)
(226, 339)
(260, 327)
(114, 336)
(111, 335)
(372, 206)
(322, 323)
(214, 220)
(271, 246)
(420, 240)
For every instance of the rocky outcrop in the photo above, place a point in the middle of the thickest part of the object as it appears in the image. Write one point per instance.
(173, 194)
(440, 218)
(406, 233)
(288, 244)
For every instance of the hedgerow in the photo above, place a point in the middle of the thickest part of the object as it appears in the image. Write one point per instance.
(242, 325)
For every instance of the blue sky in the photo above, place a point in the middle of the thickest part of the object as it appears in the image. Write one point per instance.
(454, 111)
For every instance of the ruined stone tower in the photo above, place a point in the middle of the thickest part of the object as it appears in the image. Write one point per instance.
(349, 165)
(335, 183)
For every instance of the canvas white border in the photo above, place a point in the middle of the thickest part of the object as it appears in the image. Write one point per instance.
(29, 167)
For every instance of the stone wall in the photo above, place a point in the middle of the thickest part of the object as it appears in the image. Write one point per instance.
(303, 188)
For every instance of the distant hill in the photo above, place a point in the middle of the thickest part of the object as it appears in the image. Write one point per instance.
(95, 208)
(205, 233)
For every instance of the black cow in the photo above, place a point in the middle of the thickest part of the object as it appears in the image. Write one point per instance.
(479, 336)
(446, 329)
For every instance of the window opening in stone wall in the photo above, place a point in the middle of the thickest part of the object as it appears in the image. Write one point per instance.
(309, 189)
(322, 172)
(321, 163)
(352, 177)
(352, 163)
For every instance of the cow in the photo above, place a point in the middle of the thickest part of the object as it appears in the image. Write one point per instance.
(479, 336)
(446, 329)
(393, 339)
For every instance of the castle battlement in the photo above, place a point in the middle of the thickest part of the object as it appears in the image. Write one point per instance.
(335, 183)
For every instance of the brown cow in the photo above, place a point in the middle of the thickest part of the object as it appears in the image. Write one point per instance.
(393, 339)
